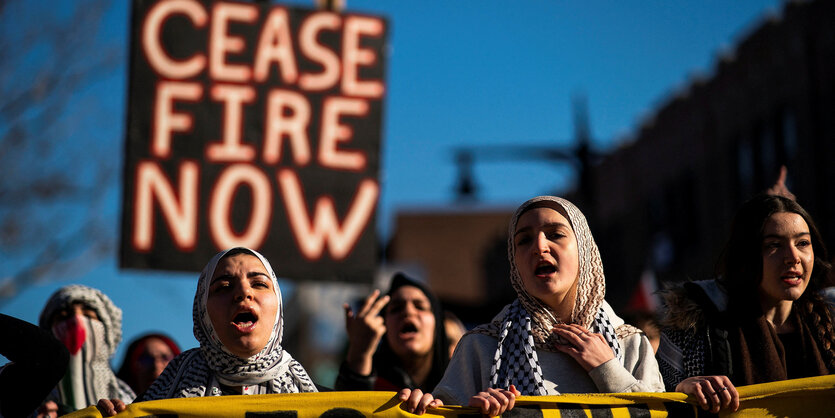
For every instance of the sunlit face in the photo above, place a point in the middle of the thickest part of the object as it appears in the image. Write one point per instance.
(152, 362)
(546, 257)
(410, 323)
(788, 258)
(242, 304)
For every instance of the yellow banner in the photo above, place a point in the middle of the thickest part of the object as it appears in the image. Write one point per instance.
(810, 397)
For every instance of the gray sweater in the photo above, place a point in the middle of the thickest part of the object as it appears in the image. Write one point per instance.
(469, 370)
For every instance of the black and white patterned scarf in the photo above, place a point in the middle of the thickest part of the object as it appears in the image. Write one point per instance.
(207, 370)
(91, 343)
(525, 325)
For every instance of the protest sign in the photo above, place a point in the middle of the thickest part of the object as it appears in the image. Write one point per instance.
(253, 124)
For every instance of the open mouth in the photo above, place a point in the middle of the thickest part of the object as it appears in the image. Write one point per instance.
(545, 270)
(408, 329)
(793, 279)
(245, 321)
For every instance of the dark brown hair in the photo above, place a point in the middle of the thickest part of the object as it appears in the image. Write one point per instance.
(741, 268)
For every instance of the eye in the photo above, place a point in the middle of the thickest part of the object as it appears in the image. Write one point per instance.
(771, 245)
(553, 236)
(523, 240)
(803, 243)
(219, 286)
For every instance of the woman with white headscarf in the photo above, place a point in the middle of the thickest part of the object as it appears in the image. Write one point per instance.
(238, 321)
(90, 326)
(559, 335)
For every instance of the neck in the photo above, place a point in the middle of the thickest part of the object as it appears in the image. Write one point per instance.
(418, 367)
(778, 315)
(565, 306)
(563, 310)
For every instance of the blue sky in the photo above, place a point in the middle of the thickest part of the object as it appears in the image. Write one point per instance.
(460, 73)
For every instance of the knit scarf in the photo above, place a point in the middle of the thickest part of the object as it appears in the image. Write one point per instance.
(754, 343)
(207, 370)
(524, 326)
(91, 343)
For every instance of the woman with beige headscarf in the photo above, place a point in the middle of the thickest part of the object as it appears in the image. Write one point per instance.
(559, 335)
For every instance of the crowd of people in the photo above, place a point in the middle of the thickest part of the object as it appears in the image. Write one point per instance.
(763, 318)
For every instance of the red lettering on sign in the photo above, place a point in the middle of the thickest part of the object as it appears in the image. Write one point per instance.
(333, 132)
(178, 209)
(288, 115)
(313, 234)
(353, 56)
(311, 48)
(151, 29)
(231, 148)
(276, 45)
(222, 200)
(222, 43)
(166, 120)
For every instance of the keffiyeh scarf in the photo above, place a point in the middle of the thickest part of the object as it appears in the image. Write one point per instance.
(91, 343)
(525, 325)
(205, 371)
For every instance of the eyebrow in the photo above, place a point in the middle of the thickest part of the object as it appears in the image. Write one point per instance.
(222, 276)
(797, 235)
(547, 225)
(249, 275)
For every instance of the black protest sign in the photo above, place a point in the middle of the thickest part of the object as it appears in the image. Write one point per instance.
(257, 125)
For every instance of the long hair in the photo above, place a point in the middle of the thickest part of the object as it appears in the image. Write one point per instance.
(741, 267)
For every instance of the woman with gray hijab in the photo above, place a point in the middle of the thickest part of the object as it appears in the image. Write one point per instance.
(559, 335)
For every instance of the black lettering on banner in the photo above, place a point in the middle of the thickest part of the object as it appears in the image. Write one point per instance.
(272, 414)
(342, 413)
(526, 411)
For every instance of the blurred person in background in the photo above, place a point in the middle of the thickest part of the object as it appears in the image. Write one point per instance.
(145, 359)
(37, 362)
(90, 326)
(405, 347)
(454, 329)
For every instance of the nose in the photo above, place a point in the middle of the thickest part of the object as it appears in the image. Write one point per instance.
(542, 244)
(243, 291)
(409, 309)
(159, 365)
(792, 255)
